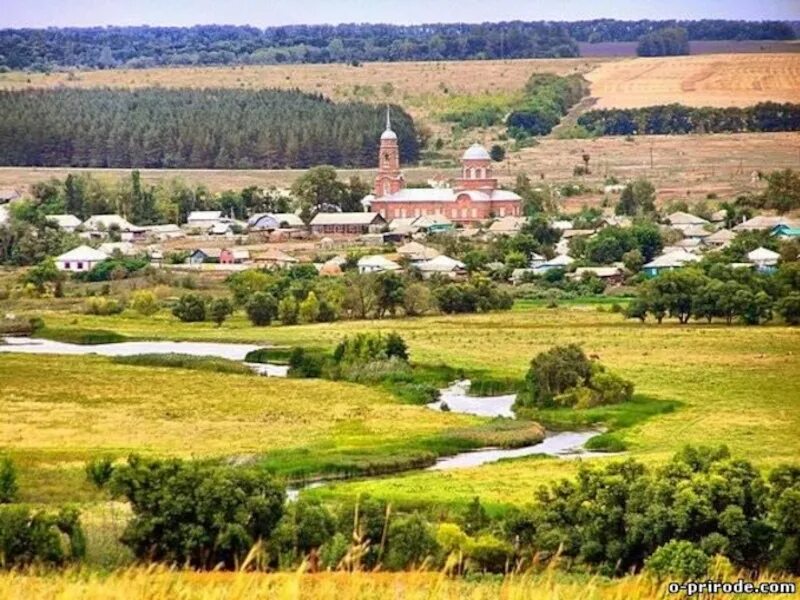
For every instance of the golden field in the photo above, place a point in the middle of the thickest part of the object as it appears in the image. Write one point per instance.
(707, 80)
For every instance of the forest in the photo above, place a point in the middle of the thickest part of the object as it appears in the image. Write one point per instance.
(204, 128)
(670, 41)
(142, 47)
(677, 118)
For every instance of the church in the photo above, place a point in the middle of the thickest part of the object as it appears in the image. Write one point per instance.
(470, 199)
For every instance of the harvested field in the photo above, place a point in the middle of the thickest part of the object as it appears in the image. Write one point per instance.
(709, 80)
(611, 49)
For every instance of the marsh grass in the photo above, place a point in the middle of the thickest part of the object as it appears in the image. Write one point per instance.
(80, 336)
(185, 361)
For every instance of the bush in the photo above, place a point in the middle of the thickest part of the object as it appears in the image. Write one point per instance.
(99, 471)
(215, 514)
(190, 308)
(261, 308)
(305, 363)
(288, 310)
(86, 337)
(488, 553)
(145, 303)
(220, 309)
(8, 481)
(102, 306)
(410, 542)
(365, 348)
(678, 559)
(564, 376)
(28, 538)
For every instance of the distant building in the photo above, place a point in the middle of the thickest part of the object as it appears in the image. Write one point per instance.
(124, 248)
(442, 265)
(352, 223)
(786, 232)
(376, 264)
(683, 220)
(761, 222)
(79, 259)
(203, 219)
(98, 226)
(273, 221)
(764, 259)
(416, 252)
(676, 259)
(68, 223)
(474, 197)
(274, 258)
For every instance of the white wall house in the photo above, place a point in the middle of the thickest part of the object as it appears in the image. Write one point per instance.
(80, 259)
(68, 223)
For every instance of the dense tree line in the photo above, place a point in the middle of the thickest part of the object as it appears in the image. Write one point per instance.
(209, 128)
(670, 41)
(547, 98)
(613, 30)
(142, 47)
(677, 118)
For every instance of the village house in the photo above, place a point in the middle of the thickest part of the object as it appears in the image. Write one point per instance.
(785, 231)
(762, 222)
(683, 220)
(274, 258)
(203, 220)
(764, 259)
(720, 239)
(670, 261)
(376, 264)
(273, 221)
(442, 265)
(472, 198)
(562, 261)
(79, 259)
(347, 223)
(612, 275)
(161, 233)
(98, 226)
(416, 252)
(68, 223)
(204, 255)
(123, 248)
(507, 226)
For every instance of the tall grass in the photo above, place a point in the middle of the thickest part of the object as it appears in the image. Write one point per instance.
(158, 583)
(80, 336)
(185, 361)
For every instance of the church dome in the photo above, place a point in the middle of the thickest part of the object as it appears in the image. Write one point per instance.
(388, 135)
(476, 152)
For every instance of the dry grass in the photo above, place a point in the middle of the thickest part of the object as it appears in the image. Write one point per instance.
(708, 80)
(161, 584)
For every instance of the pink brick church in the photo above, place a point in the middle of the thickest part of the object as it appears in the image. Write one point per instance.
(472, 198)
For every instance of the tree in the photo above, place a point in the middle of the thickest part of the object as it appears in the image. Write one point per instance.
(190, 308)
(213, 515)
(410, 542)
(637, 198)
(389, 293)
(788, 308)
(497, 153)
(261, 309)
(417, 299)
(633, 260)
(319, 188)
(783, 191)
(288, 310)
(674, 292)
(679, 559)
(309, 309)
(220, 309)
(39, 538)
(555, 371)
(42, 274)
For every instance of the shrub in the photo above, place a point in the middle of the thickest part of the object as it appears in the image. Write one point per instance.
(102, 306)
(788, 308)
(305, 363)
(8, 481)
(145, 303)
(365, 348)
(410, 541)
(261, 308)
(309, 309)
(81, 336)
(678, 559)
(99, 471)
(28, 538)
(564, 376)
(215, 514)
(334, 550)
(306, 525)
(220, 309)
(190, 308)
(488, 553)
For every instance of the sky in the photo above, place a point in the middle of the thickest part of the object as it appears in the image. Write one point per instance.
(263, 13)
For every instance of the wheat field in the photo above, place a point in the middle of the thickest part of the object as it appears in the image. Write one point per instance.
(707, 80)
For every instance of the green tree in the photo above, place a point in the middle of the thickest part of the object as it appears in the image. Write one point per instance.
(8, 481)
(637, 198)
(783, 191)
(319, 187)
(410, 542)
(261, 308)
(497, 153)
(215, 514)
(389, 293)
(220, 309)
(679, 559)
(288, 310)
(309, 309)
(190, 308)
(788, 308)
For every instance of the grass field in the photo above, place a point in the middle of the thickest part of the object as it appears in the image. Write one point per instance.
(734, 385)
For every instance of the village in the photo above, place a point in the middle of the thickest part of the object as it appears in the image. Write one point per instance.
(392, 230)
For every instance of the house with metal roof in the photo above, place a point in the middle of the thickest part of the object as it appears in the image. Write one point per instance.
(80, 259)
(350, 223)
(669, 261)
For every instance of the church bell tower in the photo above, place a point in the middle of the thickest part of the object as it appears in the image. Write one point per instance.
(389, 179)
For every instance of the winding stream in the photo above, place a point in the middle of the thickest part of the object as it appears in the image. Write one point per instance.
(565, 445)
